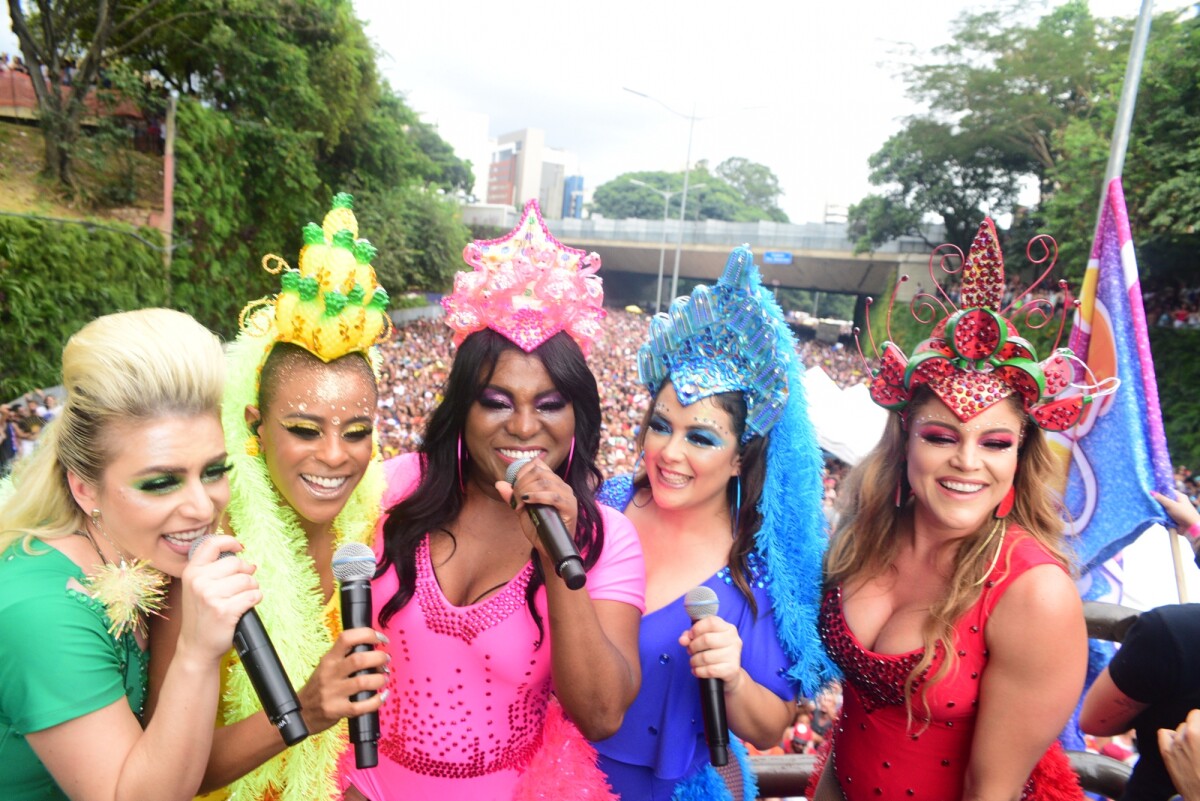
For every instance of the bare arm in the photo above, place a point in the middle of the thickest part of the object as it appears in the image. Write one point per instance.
(1037, 643)
(1106, 710)
(754, 713)
(594, 661)
(241, 747)
(106, 755)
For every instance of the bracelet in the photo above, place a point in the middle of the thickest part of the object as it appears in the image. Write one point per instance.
(1193, 531)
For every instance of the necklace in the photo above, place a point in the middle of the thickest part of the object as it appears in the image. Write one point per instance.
(128, 590)
(999, 547)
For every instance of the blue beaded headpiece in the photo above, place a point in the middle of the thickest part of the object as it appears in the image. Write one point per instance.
(730, 338)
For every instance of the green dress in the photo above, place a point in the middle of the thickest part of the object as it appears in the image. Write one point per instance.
(57, 662)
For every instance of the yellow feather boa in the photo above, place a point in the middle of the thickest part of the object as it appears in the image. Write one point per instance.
(293, 609)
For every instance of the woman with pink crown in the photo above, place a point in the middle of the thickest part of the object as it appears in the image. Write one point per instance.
(498, 667)
(948, 602)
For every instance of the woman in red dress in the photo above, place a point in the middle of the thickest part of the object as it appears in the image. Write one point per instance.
(949, 605)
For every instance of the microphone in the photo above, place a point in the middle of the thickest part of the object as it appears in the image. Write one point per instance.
(354, 567)
(553, 534)
(266, 672)
(701, 602)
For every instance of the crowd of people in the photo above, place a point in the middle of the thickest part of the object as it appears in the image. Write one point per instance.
(538, 632)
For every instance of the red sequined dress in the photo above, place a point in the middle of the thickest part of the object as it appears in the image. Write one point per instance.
(877, 755)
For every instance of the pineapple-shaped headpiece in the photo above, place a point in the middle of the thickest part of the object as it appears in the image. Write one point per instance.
(332, 305)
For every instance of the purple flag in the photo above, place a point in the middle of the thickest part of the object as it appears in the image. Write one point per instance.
(1118, 452)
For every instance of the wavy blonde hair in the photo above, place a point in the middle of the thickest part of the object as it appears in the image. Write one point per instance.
(864, 542)
(125, 367)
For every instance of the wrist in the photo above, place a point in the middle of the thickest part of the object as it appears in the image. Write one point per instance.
(1192, 532)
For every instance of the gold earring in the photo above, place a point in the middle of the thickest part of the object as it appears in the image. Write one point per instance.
(252, 448)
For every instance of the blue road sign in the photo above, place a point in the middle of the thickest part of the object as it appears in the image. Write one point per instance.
(777, 257)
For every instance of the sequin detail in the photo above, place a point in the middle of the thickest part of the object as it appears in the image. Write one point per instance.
(467, 622)
(756, 571)
(878, 677)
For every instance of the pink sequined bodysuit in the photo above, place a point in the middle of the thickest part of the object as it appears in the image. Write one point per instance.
(877, 755)
(468, 690)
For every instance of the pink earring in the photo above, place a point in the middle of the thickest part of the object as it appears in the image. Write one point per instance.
(570, 455)
(462, 485)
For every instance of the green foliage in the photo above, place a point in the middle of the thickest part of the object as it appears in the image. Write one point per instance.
(1178, 385)
(56, 277)
(739, 191)
(419, 235)
(757, 185)
(1009, 101)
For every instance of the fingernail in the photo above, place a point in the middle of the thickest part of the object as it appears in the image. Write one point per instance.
(379, 635)
(387, 670)
(383, 695)
(525, 497)
(513, 501)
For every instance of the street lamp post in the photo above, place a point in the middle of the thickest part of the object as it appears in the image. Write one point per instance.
(687, 169)
(662, 251)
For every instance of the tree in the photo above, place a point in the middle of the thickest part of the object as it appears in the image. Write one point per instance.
(756, 183)
(740, 191)
(1002, 97)
(79, 32)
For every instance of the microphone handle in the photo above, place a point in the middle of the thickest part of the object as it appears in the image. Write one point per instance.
(268, 677)
(364, 729)
(716, 727)
(553, 534)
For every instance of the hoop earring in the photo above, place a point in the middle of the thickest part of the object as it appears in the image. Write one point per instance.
(570, 455)
(462, 485)
(737, 505)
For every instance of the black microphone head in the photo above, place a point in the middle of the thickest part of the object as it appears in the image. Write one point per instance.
(510, 475)
(700, 602)
(196, 543)
(354, 561)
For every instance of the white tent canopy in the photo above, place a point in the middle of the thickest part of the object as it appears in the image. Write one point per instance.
(848, 422)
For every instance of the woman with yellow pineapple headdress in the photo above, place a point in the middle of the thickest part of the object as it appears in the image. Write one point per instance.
(299, 412)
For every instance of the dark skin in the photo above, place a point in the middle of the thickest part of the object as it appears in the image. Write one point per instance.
(316, 426)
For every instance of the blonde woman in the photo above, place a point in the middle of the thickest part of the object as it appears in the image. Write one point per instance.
(122, 484)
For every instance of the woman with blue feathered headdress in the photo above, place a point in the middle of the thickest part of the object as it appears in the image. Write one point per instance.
(726, 496)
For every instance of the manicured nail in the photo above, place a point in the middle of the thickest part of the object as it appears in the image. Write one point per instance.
(383, 695)
(379, 635)
(525, 497)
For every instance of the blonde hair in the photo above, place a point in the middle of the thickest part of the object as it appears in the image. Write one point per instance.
(129, 366)
(864, 542)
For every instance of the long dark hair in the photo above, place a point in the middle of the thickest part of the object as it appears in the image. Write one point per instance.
(438, 498)
(752, 475)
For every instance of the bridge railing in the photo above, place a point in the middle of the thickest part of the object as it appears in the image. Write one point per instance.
(760, 235)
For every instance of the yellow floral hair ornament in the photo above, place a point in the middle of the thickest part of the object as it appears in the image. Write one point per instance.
(332, 305)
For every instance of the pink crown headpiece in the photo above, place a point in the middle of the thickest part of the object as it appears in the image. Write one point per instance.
(527, 286)
(975, 357)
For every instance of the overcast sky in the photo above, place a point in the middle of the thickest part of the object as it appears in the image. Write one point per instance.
(808, 89)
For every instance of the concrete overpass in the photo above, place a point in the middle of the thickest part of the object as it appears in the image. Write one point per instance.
(810, 256)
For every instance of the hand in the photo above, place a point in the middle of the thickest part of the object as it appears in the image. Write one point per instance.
(1180, 749)
(716, 652)
(1181, 510)
(537, 484)
(325, 698)
(216, 593)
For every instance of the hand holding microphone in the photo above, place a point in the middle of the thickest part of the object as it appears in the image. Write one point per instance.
(701, 603)
(553, 534)
(354, 567)
(266, 672)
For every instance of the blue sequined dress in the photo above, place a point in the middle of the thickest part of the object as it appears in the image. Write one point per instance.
(659, 751)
